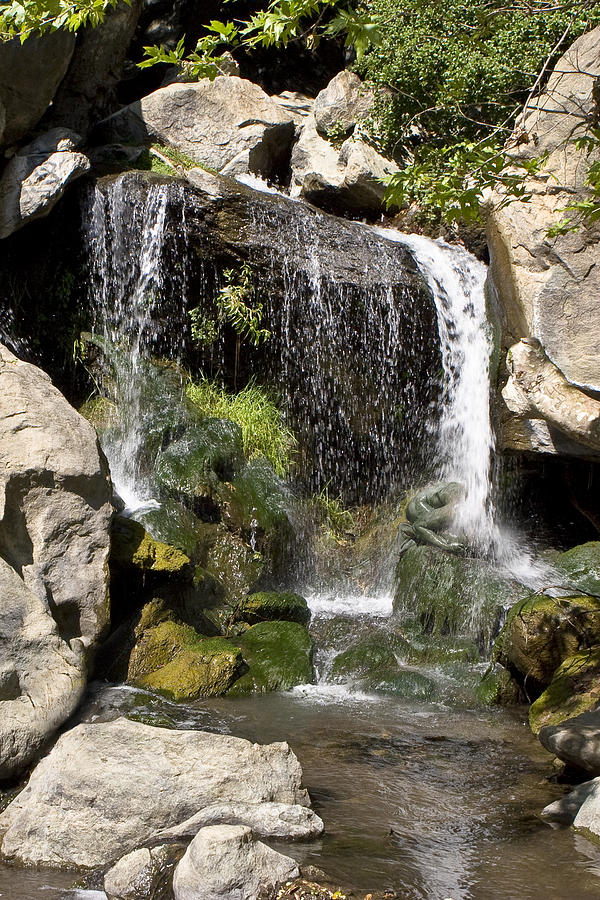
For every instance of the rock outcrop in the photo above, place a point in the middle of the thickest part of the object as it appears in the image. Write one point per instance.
(228, 124)
(342, 104)
(30, 74)
(35, 178)
(71, 812)
(224, 861)
(548, 286)
(55, 512)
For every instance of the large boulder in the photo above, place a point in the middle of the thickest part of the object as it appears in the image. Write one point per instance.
(224, 861)
(279, 655)
(55, 514)
(576, 741)
(344, 178)
(342, 104)
(548, 286)
(574, 689)
(89, 86)
(30, 73)
(35, 178)
(72, 811)
(540, 632)
(228, 124)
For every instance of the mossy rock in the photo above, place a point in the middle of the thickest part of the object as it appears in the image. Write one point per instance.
(132, 547)
(256, 499)
(208, 670)
(177, 661)
(234, 564)
(267, 605)
(574, 689)
(581, 566)
(209, 452)
(450, 595)
(372, 664)
(279, 656)
(499, 688)
(540, 632)
(172, 523)
(100, 412)
(440, 649)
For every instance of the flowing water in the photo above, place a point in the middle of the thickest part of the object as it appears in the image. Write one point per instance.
(431, 800)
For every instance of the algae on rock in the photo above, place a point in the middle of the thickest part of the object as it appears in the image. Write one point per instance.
(574, 689)
(279, 655)
(266, 605)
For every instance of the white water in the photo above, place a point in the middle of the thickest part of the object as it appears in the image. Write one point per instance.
(127, 258)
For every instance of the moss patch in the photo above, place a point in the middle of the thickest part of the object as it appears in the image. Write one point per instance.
(581, 566)
(132, 547)
(209, 452)
(268, 605)
(234, 564)
(499, 689)
(574, 689)
(372, 664)
(279, 655)
(540, 632)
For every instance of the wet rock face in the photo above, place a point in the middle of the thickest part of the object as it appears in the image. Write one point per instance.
(54, 538)
(71, 812)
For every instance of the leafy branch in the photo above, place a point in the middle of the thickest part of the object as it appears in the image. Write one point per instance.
(24, 18)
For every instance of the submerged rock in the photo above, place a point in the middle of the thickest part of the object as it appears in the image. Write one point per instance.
(575, 688)
(55, 512)
(224, 861)
(279, 655)
(72, 811)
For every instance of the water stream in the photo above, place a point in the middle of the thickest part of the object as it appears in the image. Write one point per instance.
(434, 799)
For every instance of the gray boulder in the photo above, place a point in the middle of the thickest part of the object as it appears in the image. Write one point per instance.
(283, 821)
(576, 741)
(54, 539)
(35, 178)
(30, 73)
(144, 874)
(548, 286)
(344, 179)
(229, 124)
(88, 88)
(587, 819)
(223, 861)
(72, 811)
(342, 104)
(564, 811)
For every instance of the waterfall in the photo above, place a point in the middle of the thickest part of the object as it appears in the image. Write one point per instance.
(132, 285)
(465, 435)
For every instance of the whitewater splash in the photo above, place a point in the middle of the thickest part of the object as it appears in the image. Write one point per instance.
(128, 249)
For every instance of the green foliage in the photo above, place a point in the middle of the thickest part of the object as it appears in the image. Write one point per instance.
(455, 76)
(264, 432)
(334, 517)
(281, 22)
(23, 18)
(235, 308)
(583, 212)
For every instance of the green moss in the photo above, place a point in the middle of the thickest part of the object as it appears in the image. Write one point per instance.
(174, 524)
(208, 670)
(256, 499)
(234, 564)
(268, 605)
(449, 595)
(499, 689)
(207, 453)
(574, 689)
(158, 645)
(541, 631)
(279, 655)
(372, 664)
(132, 546)
(581, 565)
(100, 412)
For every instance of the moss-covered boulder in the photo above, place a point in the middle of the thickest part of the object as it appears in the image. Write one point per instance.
(574, 689)
(540, 632)
(581, 567)
(174, 659)
(209, 452)
(499, 688)
(234, 564)
(446, 594)
(268, 605)
(132, 547)
(255, 498)
(372, 664)
(279, 656)
(173, 523)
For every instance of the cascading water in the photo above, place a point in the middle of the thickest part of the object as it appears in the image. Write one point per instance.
(128, 248)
